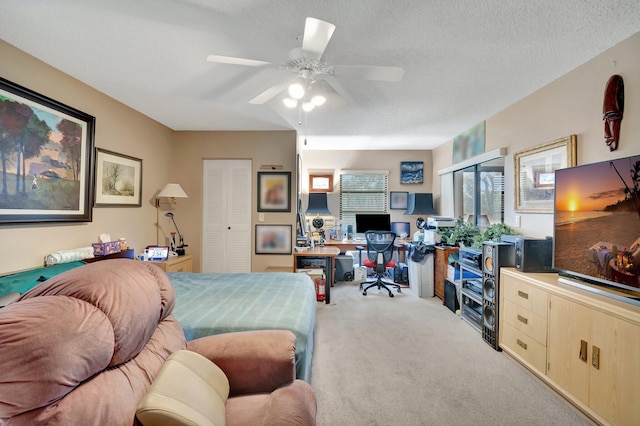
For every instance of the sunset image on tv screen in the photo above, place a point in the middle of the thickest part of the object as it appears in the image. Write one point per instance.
(597, 217)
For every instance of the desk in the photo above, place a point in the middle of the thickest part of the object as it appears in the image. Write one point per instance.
(350, 245)
(326, 254)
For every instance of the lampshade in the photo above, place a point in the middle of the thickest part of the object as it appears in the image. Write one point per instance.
(420, 204)
(317, 203)
(172, 190)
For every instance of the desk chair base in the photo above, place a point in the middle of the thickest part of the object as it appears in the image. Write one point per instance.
(379, 283)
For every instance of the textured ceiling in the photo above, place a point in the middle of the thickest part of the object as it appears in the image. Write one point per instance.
(463, 61)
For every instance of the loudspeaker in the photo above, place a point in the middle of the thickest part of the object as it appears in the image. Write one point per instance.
(534, 255)
(494, 256)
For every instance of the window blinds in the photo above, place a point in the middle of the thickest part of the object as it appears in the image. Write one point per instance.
(362, 192)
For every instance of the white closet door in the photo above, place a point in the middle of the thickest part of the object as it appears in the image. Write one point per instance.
(226, 216)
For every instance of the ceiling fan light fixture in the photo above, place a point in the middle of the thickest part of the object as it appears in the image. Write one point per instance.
(296, 91)
(290, 103)
(318, 100)
(308, 106)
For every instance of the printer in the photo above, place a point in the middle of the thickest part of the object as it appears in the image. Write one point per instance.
(434, 223)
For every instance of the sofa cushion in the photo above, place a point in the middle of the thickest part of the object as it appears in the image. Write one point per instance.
(189, 390)
(133, 295)
(54, 359)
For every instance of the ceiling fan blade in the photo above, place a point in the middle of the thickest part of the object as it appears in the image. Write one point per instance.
(236, 61)
(339, 88)
(317, 34)
(392, 74)
(268, 94)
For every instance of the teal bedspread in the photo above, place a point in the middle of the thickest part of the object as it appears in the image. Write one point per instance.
(208, 304)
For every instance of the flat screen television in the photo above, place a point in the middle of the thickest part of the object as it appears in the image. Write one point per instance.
(372, 222)
(596, 220)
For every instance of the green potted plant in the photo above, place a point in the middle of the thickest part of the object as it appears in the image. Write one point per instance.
(462, 234)
(492, 233)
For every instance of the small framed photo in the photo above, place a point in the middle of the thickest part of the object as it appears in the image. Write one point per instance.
(398, 200)
(320, 183)
(274, 191)
(118, 180)
(273, 239)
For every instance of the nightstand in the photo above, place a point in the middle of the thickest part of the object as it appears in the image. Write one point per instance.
(176, 264)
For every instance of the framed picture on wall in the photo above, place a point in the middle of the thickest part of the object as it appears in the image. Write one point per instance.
(273, 239)
(274, 191)
(534, 173)
(411, 171)
(118, 180)
(398, 200)
(48, 151)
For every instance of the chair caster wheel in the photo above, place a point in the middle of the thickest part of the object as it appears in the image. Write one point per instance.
(364, 293)
(390, 294)
(399, 291)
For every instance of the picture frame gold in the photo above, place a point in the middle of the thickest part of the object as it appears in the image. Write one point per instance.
(534, 173)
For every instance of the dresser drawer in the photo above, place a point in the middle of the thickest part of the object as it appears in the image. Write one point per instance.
(527, 296)
(524, 346)
(525, 321)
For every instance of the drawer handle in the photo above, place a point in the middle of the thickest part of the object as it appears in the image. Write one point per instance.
(522, 344)
(583, 351)
(595, 357)
(522, 319)
(523, 294)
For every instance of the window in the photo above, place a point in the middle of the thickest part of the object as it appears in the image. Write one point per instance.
(479, 193)
(362, 192)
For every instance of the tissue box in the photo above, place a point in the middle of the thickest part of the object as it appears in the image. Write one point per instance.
(100, 249)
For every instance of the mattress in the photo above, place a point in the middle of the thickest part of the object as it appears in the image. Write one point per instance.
(208, 304)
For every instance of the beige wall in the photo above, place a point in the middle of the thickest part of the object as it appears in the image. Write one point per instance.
(569, 105)
(263, 148)
(339, 161)
(119, 129)
(572, 104)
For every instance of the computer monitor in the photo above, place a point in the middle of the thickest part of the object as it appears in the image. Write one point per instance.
(373, 222)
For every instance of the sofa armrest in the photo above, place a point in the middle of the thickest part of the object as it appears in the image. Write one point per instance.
(253, 361)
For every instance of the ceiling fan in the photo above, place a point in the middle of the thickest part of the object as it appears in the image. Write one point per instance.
(307, 65)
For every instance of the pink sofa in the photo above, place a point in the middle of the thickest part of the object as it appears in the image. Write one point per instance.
(84, 347)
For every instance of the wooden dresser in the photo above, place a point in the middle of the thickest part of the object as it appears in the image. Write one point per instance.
(440, 265)
(581, 343)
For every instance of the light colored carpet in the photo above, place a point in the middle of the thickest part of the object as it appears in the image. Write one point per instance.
(411, 361)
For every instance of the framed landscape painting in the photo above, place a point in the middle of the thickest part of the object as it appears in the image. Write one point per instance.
(118, 179)
(47, 151)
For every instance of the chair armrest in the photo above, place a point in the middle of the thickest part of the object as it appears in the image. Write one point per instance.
(253, 361)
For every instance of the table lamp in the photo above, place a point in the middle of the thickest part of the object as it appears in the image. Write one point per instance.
(420, 204)
(318, 205)
(171, 191)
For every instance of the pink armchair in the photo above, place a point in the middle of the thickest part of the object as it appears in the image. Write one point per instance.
(246, 378)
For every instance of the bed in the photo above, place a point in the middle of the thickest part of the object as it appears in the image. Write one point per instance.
(209, 304)
(218, 303)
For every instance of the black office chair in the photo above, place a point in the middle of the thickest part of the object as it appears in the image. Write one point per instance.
(380, 246)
